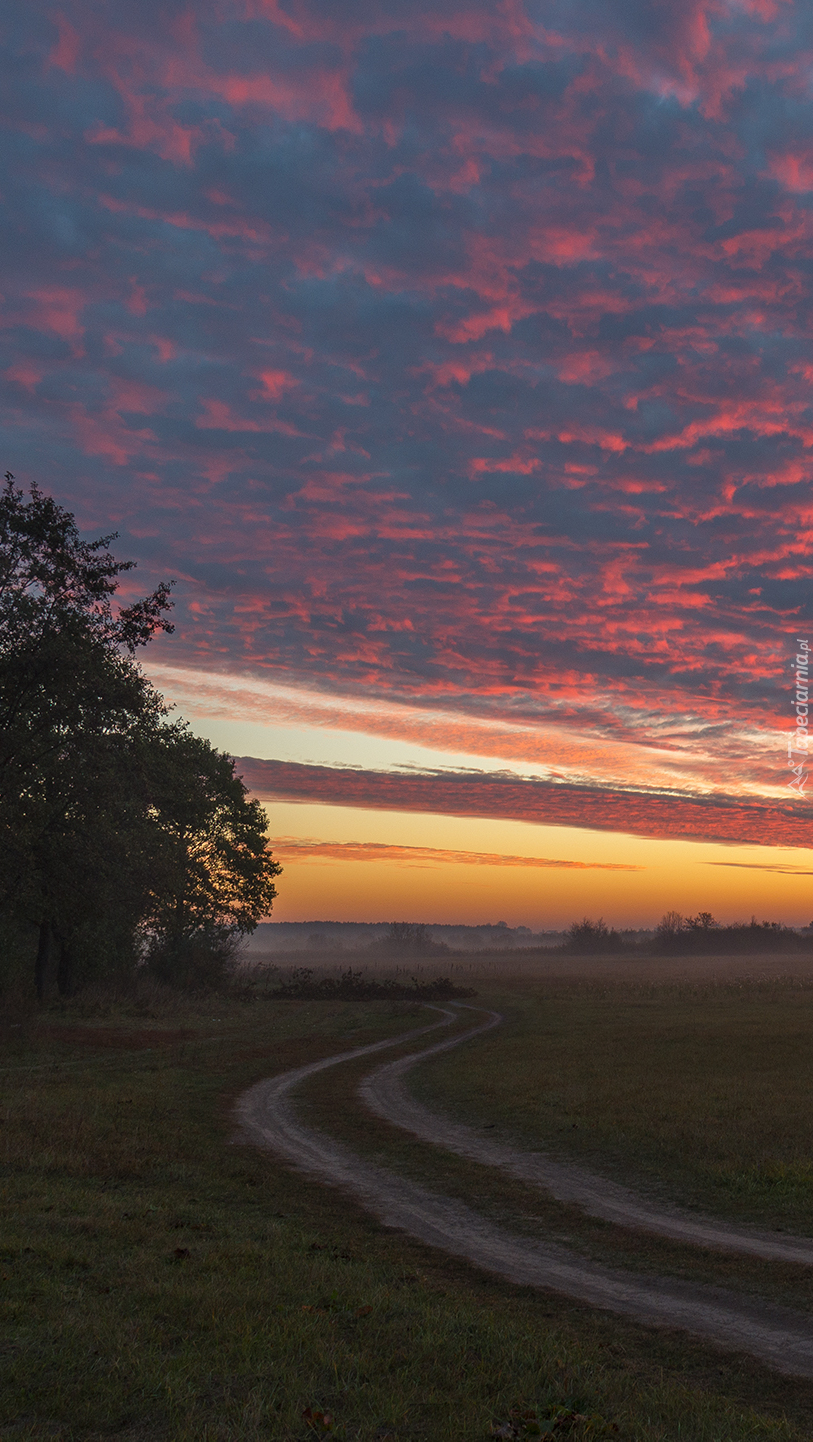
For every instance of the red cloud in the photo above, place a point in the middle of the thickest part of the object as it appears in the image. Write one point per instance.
(26, 374)
(523, 467)
(65, 53)
(634, 813)
(794, 169)
(220, 416)
(275, 383)
(57, 308)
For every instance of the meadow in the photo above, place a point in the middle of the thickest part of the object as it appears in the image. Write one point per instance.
(700, 1091)
(161, 1280)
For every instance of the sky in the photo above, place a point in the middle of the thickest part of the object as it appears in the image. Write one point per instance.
(455, 361)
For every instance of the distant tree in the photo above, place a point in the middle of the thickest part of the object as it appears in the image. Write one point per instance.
(704, 921)
(670, 931)
(592, 936)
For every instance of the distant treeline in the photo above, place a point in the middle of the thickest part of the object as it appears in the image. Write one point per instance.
(687, 935)
(675, 934)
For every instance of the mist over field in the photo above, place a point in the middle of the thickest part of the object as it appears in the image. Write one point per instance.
(316, 936)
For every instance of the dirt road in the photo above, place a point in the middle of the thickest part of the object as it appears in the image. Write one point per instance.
(781, 1338)
(385, 1093)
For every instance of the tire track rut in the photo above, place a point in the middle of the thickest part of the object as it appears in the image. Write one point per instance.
(777, 1336)
(385, 1093)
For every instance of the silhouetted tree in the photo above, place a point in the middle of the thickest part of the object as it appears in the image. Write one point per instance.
(69, 692)
(587, 936)
(92, 862)
(58, 626)
(704, 921)
(113, 823)
(213, 874)
(670, 931)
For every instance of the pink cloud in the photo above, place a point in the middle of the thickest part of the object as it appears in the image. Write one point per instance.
(26, 374)
(794, 170)
(276, 383)
(58, 308)
(629, 812)
(65, 53)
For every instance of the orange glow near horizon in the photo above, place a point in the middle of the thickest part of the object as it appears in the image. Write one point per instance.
(322, 882)
(349, 862)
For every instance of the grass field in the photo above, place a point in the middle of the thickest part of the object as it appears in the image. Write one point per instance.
(701, 1092)
(161, 1282)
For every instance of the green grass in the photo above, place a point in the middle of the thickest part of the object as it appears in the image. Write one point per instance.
(701, 1093)
(161, 1282)
(329, 1101)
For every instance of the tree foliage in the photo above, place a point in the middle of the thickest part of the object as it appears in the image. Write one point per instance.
(212, 876)
(62, 671)
(118, 829)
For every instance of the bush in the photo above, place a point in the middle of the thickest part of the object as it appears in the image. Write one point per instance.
(206, 960)
(593, 936)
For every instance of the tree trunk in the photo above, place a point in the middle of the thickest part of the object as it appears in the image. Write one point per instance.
(64, 970)
(41, 963)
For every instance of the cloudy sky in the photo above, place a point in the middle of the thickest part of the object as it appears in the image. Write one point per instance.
(455, 360)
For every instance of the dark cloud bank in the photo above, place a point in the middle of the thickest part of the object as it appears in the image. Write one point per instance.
(454, 794)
